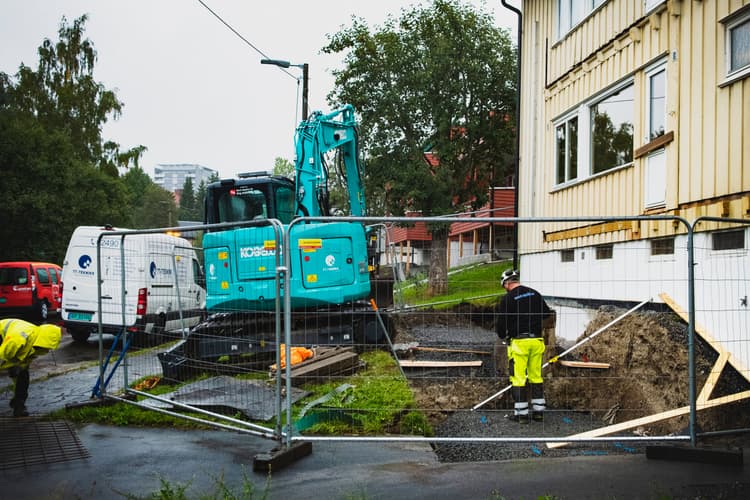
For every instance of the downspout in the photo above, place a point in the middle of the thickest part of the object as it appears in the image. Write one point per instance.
(517, 158)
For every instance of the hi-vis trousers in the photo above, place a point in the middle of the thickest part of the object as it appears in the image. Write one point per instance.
(525, 359)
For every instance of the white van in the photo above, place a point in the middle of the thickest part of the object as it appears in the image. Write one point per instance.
(163, 283)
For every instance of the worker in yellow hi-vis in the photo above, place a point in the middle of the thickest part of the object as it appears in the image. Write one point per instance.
(20, 343)
(520, 315)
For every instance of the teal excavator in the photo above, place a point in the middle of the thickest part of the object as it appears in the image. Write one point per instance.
(333, 296)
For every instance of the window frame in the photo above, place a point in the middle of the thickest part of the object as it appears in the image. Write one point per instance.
(576, 11)
(651, 73)
(662, 247)
(604, 252)
(568, 168)
(727, 249)
(567, 255)
(583, 112)
(731, 22)
(651, 5)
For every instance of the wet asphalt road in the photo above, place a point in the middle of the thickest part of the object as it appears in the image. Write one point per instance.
(134, 461)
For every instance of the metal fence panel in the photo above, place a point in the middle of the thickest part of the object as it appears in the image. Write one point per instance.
(620, 361)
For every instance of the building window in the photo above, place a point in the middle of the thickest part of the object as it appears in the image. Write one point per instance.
(567, 256)
(738, 45)
(662, 246)
(657, 102)
(612, 130)
(572, 12)
(652, 4)
(603, 252)
(599, 135)
(567, 150)
(728, 240)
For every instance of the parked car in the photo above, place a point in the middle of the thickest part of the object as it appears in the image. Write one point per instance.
(30, 289)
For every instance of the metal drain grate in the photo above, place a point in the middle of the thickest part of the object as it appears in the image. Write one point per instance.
(27, 441)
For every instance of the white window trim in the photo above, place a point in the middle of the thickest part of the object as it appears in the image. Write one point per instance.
(650, 5)
(589, 10)
(583, 111)
(729, 23)
(650, 72)
(563, 120)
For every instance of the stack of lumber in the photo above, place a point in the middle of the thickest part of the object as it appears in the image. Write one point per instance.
(326, 363)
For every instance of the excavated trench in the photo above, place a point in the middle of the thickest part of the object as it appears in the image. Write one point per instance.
(648, 374)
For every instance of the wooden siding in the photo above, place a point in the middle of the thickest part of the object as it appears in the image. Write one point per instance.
(707, 162)
(503, 207)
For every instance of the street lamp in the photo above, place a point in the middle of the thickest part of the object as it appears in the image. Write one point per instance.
(287, 64)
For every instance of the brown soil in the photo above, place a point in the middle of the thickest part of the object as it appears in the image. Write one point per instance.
(648, 355)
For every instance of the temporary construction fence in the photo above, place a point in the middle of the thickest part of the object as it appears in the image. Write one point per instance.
(644, 344)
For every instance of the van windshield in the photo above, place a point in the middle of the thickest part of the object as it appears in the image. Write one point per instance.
(13, 276)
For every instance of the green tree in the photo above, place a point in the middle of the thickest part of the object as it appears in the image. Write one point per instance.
(58, 171)
(440, 79)
(47, 191)
(187, 201)
(200, 200)
(158, 209)
(282, 166)
(63, 95)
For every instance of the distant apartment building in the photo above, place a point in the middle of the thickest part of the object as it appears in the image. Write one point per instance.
(172, 176)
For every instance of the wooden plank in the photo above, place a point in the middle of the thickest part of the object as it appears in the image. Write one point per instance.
(698, 328)
(713, 377)
(583, 364)
(325, 365)
(408, 363)
(623, 426)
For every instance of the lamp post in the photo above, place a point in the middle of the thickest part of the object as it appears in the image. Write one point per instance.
(287, 64)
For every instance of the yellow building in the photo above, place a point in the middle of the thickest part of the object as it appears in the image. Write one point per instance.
(632, 108)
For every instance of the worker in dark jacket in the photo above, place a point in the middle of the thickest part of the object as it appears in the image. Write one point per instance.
(520, 315)
(20, 343)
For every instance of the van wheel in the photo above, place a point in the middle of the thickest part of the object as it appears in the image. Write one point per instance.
(43, 310)
(80, 336)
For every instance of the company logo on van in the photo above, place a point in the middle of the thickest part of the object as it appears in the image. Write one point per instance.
(84, 263)
(154, 270)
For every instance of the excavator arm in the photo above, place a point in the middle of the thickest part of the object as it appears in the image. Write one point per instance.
(315, 138)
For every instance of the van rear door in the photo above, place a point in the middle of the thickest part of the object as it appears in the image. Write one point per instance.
(15, 286)
(80, 298)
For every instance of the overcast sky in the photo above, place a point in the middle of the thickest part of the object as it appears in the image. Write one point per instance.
(194, 91)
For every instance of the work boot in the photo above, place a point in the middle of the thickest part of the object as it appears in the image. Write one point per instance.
(20, 411)
(521, 419)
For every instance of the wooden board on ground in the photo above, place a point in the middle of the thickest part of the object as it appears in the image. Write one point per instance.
(408, 363)
(700, 330)
(326, 363)
(583, 364)
(702, 401)
(630, 424)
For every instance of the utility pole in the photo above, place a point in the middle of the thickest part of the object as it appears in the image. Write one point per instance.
(305, 77)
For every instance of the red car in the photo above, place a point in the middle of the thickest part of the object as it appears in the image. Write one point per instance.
(30, 288)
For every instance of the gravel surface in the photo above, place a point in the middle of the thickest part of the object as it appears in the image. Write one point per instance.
(448, 394)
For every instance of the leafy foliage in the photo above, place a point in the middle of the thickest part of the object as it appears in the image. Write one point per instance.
(58, 170)
(376, 403)
(441, 80)
(282, 166)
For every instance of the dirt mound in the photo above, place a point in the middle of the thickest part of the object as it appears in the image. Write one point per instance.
(647, 352)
